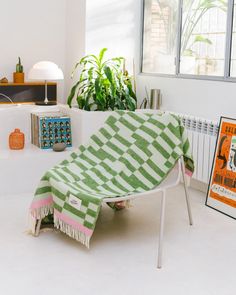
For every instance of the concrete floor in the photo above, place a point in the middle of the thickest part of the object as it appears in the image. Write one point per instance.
(197, 260)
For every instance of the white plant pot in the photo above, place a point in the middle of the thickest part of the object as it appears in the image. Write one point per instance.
(84, 123)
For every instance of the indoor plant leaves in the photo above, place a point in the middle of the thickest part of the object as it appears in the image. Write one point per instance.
(102, 85)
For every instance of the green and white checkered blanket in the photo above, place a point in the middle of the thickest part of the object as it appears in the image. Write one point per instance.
(131, 153)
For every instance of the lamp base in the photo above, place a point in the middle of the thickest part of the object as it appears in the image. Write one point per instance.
(42, 103)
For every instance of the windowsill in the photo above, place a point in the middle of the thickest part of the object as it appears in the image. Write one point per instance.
(192, 77)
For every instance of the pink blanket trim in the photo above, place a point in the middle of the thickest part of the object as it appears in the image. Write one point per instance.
(188, 172)
(40, 203)
(75, 224)
(68, 220)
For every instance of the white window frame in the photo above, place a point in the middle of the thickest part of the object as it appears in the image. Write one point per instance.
(229, 28)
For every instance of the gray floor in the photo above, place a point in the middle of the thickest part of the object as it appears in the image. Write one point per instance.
(122, 259)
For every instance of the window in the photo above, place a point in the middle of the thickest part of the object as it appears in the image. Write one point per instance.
(233, 49)
(190, 37)
(203, 37)
(160, 32)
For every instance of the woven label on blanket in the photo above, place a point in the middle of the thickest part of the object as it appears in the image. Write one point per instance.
(131, 153)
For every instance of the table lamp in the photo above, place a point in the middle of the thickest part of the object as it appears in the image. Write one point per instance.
(45, 70)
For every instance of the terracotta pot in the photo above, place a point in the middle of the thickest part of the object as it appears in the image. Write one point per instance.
(16, 140)
(18, 77)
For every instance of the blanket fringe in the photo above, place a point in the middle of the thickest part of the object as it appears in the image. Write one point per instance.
(38, 214)
(42, 212)
(71, 232)
(31, 225)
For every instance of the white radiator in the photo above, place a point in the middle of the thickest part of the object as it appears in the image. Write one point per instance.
(202, 136)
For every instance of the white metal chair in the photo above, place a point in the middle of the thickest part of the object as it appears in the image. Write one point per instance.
(173, 179)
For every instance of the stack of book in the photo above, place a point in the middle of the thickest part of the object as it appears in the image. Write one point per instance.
(50, 128)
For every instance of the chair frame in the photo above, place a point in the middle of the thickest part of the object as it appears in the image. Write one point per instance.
(162, 189)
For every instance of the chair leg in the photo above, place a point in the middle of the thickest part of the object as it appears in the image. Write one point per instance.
(186, 192)
(162, 218)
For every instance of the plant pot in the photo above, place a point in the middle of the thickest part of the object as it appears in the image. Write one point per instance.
(84, 123)
(18, 77)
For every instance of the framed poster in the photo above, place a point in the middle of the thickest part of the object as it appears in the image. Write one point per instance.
(221, 194)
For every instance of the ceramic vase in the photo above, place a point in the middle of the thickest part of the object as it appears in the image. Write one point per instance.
(16, 140)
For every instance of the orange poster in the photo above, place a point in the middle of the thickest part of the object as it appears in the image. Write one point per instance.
(221, 194)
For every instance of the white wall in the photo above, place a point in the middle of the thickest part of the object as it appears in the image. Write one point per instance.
(116, 24)
(75, 38)
(206, 99)
(113, 24)
(33, 30)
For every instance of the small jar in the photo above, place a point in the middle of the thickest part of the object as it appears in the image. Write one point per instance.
(16, 140)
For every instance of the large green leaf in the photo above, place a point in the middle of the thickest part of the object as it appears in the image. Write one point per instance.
(75, 68)
(101, 54)
(99, 94)
(131, 92)
(72, 94)
(97, 87)
(200, 38)
(80, 101)
(109, 75)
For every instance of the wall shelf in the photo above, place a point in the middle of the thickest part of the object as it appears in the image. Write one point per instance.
(28, 92)
(27, 84)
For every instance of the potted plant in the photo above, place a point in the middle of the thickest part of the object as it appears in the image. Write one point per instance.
(18, 75)
(103, 85)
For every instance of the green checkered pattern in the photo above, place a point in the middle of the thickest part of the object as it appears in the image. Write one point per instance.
(131, 153)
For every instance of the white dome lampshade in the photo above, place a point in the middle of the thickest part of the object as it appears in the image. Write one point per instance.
(45, 70)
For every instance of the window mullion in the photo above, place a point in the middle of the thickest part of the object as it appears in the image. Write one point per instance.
(228, 44)
(178, 47)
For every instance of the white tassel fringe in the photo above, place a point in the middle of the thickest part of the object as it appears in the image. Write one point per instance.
(40, 213)
(71, 232)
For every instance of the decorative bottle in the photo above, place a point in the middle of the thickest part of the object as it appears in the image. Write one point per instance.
(16, 140)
